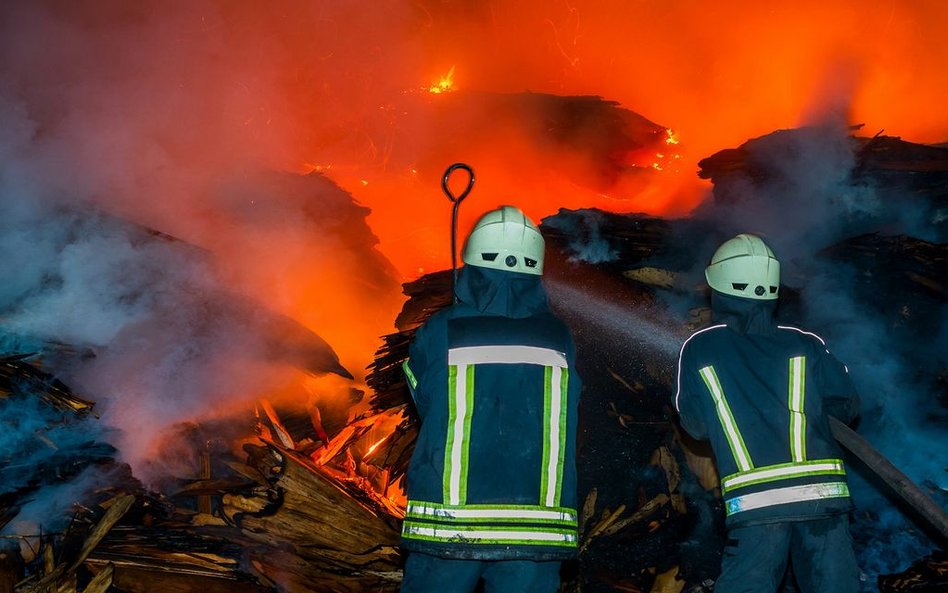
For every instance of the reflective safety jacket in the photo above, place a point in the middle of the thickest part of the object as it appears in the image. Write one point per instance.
(761, 394)
(493, 472)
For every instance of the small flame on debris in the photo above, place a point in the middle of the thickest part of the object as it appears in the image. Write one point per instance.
(346, 456)
(445, 84)
(306, 168)
(374, 446)
(670, 136)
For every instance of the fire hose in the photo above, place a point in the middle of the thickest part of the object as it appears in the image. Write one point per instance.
(918, 499)
(454, 218)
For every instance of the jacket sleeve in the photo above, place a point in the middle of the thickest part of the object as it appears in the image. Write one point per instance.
(840, 398)
(687, 397)
(414, 368)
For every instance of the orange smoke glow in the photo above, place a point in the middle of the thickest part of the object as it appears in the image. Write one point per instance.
(716, 75)
(165, 114)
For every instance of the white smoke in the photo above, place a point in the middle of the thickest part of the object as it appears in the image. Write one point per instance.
(120, 123)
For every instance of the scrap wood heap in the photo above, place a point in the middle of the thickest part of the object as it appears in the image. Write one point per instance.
(310, 506)
(652, 517)
(928, 575)
(277, 521)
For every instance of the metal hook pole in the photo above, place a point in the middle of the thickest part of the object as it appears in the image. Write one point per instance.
(456, 200)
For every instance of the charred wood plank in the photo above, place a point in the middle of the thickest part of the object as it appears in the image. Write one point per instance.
(117, 508)
(317, 526)
(16, 374)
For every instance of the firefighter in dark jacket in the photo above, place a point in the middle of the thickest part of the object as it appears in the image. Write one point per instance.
(761, 394)
(491, 485)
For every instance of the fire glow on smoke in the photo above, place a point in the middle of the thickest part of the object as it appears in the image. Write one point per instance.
(164, 113)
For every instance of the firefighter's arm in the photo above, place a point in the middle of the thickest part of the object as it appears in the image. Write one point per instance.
(686, 399)
(414, 367)
(840, 398)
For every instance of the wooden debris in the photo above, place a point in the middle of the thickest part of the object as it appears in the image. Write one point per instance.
(904, 277)
(336, 533)
(274, 419)
(606, 520)
(16, 369)
(311, 508)
(657, 277)
(928, 575)
(642, 513)
(668, 582)
(65, 569)
(664, 459)
(102, 581)
(11, 566)
(589, 509)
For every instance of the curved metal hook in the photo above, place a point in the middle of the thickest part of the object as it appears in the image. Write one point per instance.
(447, 175)
(454, 217)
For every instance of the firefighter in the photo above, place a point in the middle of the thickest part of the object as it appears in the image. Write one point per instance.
(491, 485)
(761, 393)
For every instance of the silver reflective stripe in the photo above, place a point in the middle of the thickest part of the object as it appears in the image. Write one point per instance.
(797, 415)
(489, 534)
(806, 333)
(731, 432)
(504, 513)
(506, 355)
(554, 443)
(460, 411)
(769, 498)
(779, 472)
(681, 354)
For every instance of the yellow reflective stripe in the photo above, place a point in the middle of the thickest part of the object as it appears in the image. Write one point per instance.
(768, 498)
(457, 446)
(487, 512)
(561, 456)
(554, 435)
(734, 439)
(797, 415)
(782, 471)
(484, 534)
(409, 375)
(506, 355)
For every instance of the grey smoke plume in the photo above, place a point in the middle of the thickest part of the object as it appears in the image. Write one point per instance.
(810, 202)
(119, 120)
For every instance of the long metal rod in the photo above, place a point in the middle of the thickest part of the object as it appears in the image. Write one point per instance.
(454, 218)
(918, 499)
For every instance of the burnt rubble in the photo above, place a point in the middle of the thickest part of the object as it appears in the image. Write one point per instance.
(310, 502)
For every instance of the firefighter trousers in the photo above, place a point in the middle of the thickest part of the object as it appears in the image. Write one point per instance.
(431, 574)
(820, 552)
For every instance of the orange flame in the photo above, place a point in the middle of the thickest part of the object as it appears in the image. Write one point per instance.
(444, 85)
(335, 104)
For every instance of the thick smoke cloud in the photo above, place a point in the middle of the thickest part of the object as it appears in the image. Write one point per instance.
(800, 193)
(162, 113)
(152, 252)
(809, 203)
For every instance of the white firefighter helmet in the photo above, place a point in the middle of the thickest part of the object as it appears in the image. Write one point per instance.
(744, 266)
(505, 239)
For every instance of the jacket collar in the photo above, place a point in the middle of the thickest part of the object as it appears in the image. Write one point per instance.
(745, 316)
(496, 292)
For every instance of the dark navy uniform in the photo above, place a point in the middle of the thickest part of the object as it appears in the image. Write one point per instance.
(761, 394)
(491, 485)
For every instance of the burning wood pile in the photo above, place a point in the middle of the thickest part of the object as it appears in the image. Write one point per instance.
(288, 515)
(314, 504)
(631, 289)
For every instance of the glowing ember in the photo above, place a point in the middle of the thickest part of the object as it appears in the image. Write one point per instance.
(374, 446)
(445, 84)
